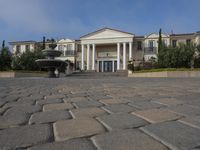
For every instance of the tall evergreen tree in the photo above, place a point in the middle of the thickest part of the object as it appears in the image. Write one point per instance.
(160, 44)
(3, 44)
(43, 42)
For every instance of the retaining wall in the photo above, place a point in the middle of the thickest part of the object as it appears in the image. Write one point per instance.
(186, 74)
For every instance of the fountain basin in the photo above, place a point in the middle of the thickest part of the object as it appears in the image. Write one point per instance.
(52, 53)
(50, 63)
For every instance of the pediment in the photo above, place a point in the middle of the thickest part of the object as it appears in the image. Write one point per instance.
(107, 33)
(65, 41)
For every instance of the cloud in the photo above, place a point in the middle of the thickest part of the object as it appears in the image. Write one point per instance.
(25, 15)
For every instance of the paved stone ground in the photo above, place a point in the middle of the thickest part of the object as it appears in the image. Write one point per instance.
(100, 114)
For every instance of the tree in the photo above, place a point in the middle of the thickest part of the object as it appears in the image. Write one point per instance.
(160, 43)
(3, 44)
(26, 60)
(178, 57)
(5, 58)
(43, 42)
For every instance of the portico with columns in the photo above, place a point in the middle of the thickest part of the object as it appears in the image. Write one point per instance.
(106, 50)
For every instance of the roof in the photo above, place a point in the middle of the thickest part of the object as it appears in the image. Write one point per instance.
(182, 34)
(20, 42)
(103, 29)
(139, 36)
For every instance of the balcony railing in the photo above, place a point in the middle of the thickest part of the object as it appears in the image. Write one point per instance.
(150, 50)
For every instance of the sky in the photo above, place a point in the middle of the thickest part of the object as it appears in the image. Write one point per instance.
(33, 19)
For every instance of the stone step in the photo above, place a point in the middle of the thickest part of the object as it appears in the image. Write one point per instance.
(99, 74)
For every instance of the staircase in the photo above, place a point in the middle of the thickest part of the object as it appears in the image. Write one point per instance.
(100, 74)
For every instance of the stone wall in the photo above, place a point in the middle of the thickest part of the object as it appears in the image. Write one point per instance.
(12, 74)
(186, 74)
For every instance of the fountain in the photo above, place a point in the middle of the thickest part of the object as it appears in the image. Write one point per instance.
(50, 62)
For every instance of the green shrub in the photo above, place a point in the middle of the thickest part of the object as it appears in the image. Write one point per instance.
(26, 60)
(5, 59)
(179, 57)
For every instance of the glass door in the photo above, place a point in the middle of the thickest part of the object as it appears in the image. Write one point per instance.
(107, 66)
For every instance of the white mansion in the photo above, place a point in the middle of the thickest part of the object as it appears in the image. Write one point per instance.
(109, 50)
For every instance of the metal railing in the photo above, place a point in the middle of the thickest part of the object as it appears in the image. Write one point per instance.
(150, 50)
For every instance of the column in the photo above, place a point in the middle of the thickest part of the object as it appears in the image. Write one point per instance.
(93, 56)
(130, 51)
(113, 66)
(88, 57)
(102, 70)
(82, 58)
(118, 56)
(124, 56)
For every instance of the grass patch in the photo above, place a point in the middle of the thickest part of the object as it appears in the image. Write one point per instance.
(167, 69)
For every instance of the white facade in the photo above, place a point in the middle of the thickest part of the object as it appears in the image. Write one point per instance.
(151, 45)
(106, 50)
(68, 48)
(22, 47)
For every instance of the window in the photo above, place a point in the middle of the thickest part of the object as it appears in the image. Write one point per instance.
(27, 47)
(139, 45)
(164, 43)
(188, 41)
(69, 47)
(17, 49)
(174, 43)
(61, 48)
(151, 45)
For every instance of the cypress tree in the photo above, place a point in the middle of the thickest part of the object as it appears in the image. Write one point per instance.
(43, 43)
(3, 44)
(160, 44)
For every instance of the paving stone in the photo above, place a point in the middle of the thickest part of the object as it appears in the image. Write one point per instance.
(88, 112)
(24, 136)
(188, 97)
(175, 134)
(192, 121)
(13, 118)
(49, 116)
(186, 109)
(2, 103)
(18, 103)
(168, 101)
(99, 97)
(113, 101)
(55, 96)
(117, 108)
(137, 98)
(196, 148)
(59, 106)
(77, 95)
(10, 98)
(49, 101)
(131, 139)
(76, 99)
(36, 96)
(121, 121)
(157, 115)
(74, 144)
(81, 127)
(146, 105)
(26, 108)
(84, 104)
(2, 110)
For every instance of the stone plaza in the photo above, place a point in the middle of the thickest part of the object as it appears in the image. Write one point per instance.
(108, 113)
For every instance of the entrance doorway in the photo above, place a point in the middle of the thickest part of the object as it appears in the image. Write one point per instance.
(107, 66)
